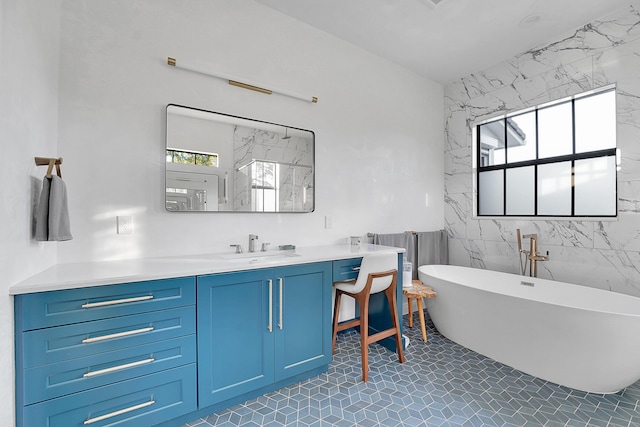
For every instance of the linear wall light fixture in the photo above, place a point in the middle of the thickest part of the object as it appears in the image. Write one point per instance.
(234, 82)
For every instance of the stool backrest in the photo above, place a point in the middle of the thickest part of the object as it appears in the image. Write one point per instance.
(376, 263)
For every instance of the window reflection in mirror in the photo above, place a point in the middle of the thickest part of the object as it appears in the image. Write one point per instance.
(218, 162)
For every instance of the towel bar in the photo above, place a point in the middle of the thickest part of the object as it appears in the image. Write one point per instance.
(412, 232)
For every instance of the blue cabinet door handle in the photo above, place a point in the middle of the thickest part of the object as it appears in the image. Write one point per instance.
(270, 327)
(280, 325)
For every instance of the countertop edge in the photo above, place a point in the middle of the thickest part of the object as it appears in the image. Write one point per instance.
(102, 273)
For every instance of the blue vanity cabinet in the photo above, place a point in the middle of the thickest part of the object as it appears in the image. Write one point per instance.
(165, 352)
(303, 327)
(259, 328)
(121, 354)
(235, 345)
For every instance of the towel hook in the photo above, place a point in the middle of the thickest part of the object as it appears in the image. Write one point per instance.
(50, 161)
(50, 168)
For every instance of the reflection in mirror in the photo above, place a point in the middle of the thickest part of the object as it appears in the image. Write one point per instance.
(218, 162)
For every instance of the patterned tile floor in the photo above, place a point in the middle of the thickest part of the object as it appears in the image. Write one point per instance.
(440, 384)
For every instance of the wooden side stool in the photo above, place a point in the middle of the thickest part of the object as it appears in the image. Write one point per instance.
(417, 291)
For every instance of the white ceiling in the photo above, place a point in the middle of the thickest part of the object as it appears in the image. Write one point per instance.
(451, 40)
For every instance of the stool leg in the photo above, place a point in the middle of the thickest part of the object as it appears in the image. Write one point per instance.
(423, 328)
(336, 314)
(410, 311)
(363, 301)
(390, 292)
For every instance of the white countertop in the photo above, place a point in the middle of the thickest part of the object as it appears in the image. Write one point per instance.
(85, 274)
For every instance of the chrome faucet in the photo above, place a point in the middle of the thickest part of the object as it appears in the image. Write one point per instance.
(532, 256)
(238, 248)
(252, 242)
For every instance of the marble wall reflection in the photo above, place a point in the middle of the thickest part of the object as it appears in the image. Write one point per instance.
(603, 254)
(273, 173)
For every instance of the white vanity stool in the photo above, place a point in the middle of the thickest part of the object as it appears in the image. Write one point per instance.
(378, 273)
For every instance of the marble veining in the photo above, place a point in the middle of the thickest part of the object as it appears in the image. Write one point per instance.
(599, 253)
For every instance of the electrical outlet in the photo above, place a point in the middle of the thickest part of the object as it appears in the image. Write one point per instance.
(328, 221)
(125, 224)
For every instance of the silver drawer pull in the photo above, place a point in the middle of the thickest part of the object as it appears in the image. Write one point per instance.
(116, 301)
(118, 368)
(356, 269)
(118, 335)
(120, 412)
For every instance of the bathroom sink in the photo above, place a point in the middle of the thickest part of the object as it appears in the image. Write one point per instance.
(243, 258)
(257, 257)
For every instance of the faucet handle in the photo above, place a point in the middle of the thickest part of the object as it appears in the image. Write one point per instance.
(264, 247)
(238, 248)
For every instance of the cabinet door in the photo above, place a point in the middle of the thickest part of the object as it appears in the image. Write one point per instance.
(235, 347)
(302, 318)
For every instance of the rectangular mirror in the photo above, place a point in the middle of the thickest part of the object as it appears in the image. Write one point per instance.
(221, 163)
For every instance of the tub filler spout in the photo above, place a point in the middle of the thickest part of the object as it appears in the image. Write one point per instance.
(531, 256)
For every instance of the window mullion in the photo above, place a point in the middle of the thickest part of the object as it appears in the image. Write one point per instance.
(573, 161)
(504, 171)
(535, 170)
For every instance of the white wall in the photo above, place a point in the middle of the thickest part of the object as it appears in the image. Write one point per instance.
(379, 147)
(603, 254)
(29, 35)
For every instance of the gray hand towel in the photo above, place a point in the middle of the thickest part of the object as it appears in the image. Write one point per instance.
(433, 247)
(404, 240)
(52, 216)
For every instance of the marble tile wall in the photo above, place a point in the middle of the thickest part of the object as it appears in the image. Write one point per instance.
(598, 253)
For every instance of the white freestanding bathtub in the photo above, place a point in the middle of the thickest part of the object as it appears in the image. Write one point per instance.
(575, 336)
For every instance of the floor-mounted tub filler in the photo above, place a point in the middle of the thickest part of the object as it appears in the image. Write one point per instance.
(580, 337)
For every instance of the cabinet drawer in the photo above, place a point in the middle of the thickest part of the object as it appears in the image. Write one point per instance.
(55, 308)
(346, 269)
(45, 346)
(72, 376)
(143, 401)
